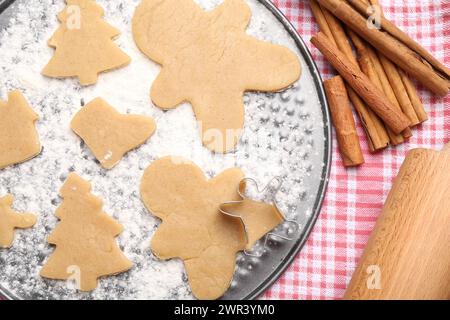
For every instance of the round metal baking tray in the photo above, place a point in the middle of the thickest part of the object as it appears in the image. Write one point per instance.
(255, 275)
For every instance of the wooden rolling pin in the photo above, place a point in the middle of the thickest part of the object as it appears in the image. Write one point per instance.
(408, 254)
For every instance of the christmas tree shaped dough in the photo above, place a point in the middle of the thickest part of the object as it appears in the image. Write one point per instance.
(208, 60)
(193, 228)
(86, 248)
(19, 140)
(10, 220)
(84, 44)
(110, 134)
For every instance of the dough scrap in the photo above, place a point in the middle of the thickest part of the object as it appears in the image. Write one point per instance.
(259, 218)
(110, 134)
(208, 60)
(19, 140)
(86, 247)
(10, 220)
(193, 228)
(84, 44)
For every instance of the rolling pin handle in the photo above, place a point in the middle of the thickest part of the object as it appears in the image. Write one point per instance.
(447, 147)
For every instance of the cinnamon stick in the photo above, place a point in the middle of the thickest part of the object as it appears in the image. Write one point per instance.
(344, 45)
(375, 131)
(396, 81)
(368, 68)
(399, 89)
(389, 92)
(343, 122)
(401, 36)
(398, 52)
(339, 35)
(365, 59)
(321, 20)
(374, 98)
(413, 96)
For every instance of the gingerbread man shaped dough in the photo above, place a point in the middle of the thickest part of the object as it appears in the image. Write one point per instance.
(193, 228)
(208, 60)
(10, 220)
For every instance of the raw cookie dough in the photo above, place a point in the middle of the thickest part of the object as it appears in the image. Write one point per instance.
(259, 218)
(208, 60)
(84, 44)
(19, 140)
(10, 220)
(193, 228)
(86, 248)
(110, 134)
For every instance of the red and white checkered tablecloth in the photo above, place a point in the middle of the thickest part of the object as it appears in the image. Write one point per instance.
(355, 196)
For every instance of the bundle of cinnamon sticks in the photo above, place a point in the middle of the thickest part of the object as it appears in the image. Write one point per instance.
(376, 75)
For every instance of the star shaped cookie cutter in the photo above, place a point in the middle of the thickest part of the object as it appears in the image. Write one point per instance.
(272, 201)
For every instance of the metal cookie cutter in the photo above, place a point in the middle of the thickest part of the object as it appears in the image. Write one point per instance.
(272, 200)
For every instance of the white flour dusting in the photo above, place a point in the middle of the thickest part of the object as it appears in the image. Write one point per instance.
(283, 122)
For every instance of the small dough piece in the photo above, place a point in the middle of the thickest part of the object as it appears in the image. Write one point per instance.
(19, 140)
(86, 248)
(10, 220)
(259, 218)
(208, 60)
(110, 134)
(84, 44)
(193, 228)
